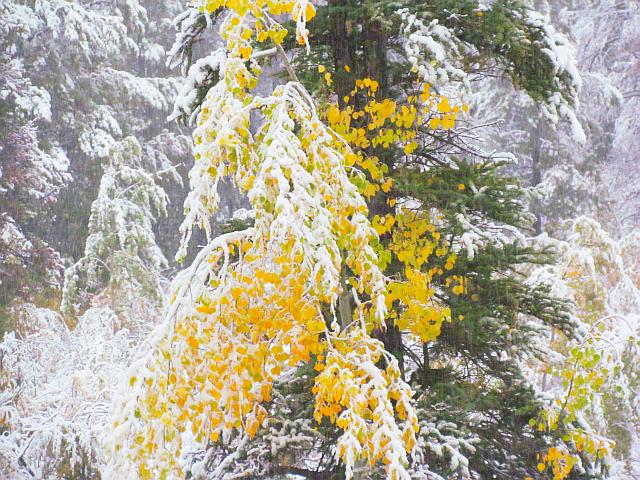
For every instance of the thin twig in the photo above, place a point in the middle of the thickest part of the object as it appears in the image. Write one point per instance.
(287, 65)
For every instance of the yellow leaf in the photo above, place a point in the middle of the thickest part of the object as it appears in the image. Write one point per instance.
(333, 115)
(192, 342)
(443, 106)
(310, 12)
(410, 147)
(386, 186)
(206, 309)
(245, 52)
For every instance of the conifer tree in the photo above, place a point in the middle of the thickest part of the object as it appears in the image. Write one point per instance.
(481, 212)
(31, 178)
(121, 260)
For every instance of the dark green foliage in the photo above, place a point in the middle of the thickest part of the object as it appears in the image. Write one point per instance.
(506, 35)
(472, 372)
(477, 410)
(192, 26)
(502, 39)
(469, 188)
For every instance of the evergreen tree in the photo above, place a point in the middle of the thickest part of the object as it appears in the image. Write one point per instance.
(121, 260)
(31, 177)
(475, 363)
(57, 380)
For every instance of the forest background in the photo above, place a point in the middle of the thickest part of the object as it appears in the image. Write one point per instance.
(488, 173)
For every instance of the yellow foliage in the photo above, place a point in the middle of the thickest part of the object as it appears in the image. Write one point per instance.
(261, 312)
(414, 239)
(560, 460)
(383, 123)
(364, 401)
(582, 378)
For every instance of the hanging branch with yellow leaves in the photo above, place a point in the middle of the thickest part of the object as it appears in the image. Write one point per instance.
(251, 305)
